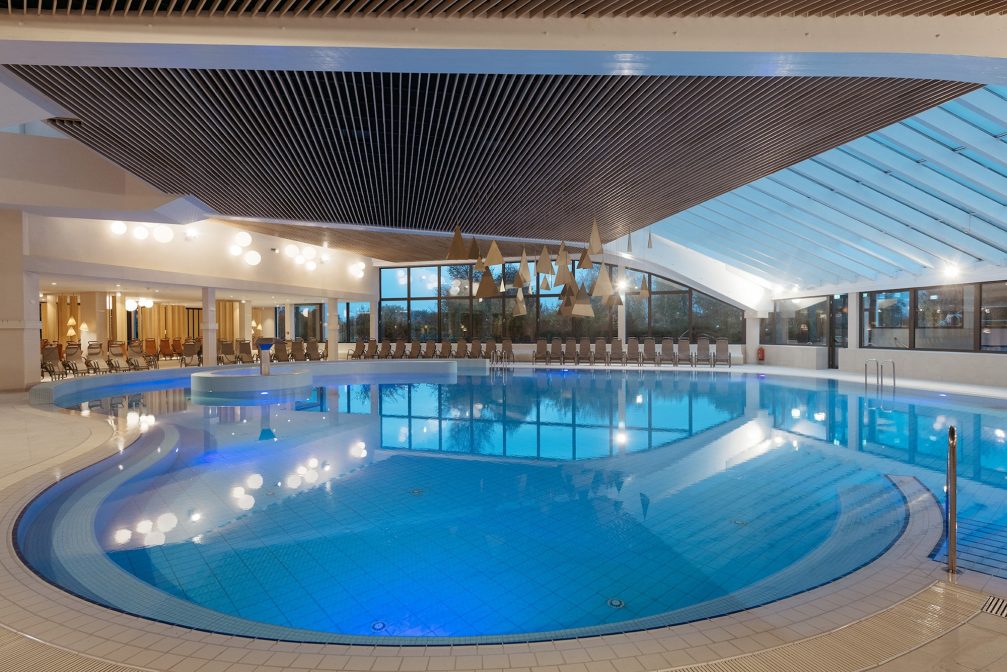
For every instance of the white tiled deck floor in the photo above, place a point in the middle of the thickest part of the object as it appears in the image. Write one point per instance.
(39, 445)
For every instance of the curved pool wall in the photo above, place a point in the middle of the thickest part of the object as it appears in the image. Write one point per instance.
(661, 506)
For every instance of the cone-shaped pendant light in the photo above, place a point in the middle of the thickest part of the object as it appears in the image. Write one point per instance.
(603, 285)
(493, 257)
(474, 252)
(486, 290)
(585, 263)
(566, 307)
(457, 248)
(650, 240)
(544, 285)
(523, 271)
(582, 306)
(644, 291)
(519, 307)
(629, 244)
(613, 300)
(518, 281)
(595, 247)
(544, 263)
(503, 287)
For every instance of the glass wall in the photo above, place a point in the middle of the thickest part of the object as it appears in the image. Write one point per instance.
(806, 321)
(308, 321)
(945, 318)
(437, 302)
(885, 321)
(994, 316)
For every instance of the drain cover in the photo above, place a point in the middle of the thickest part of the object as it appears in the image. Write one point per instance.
(378, 625)
(740, 522)
(616, 603)
(416, 492)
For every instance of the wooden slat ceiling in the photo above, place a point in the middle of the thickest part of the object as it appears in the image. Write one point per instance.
(501, 8)
(534, 156)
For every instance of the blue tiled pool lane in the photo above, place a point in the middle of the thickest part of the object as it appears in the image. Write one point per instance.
(536, 506)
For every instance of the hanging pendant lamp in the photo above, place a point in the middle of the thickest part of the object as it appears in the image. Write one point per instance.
(457, 247)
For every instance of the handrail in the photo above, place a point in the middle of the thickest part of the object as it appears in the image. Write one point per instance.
(951, 486)
(892, 362)
(877, 371)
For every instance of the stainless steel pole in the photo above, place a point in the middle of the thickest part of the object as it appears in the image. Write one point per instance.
(952, 488)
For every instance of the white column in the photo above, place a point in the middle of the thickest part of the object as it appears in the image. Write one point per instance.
(374, 321)
(245, 320)
(208, 327)
(20, 325)
(753, 330)
(332, 330)
(288, 322)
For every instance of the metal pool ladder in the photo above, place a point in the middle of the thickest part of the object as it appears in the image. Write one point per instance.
(879, 379)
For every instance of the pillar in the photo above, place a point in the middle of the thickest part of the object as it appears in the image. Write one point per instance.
(620, 311)
(244, 321)
(208, 327)
(20, 325)
(332, 330)
(374, 321)
(753, 331)
(288, 322)
(120, 318)
(93, 315)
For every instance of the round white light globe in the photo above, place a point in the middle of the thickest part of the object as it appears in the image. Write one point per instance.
(245, 502)
(140, 232)
(167, 522)
(254, 482)
(298, 260)
(145, 526)
(117, 228)
(252, 258)
(164, 233)
(130, 305)
(291, 250)
(237, 492)
(308, 253)
(154, 539)
(244, 238)
(234, 250)
(122, 536)
(293, 481)
(311, 265)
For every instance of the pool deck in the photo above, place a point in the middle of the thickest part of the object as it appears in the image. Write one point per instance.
(902, 611)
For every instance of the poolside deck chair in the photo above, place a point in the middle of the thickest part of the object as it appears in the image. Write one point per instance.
(414, 350)
(617, 354)
(584, 354)
(312, 352)
(461, 349)
(51, 362)
(600, 351)
(703, 353)
(444, 352)
(95, 358)
(429, 350)
(280, 353)
(117, 360)
(297, 351)
(506, 354)
(400, 349)
(372, 350)
(684, 352)
(650, 353)
(633, 351)
(190, 354)
(541, 353)
(245, 355)
(490, 350)
(476, 350)
(569, 351)
(358, 350)
(176, 347)
(73, 360)
(164, 349)
(723, 354)
(137, 358)
(226, 353)
(555, 350)
(150, 347)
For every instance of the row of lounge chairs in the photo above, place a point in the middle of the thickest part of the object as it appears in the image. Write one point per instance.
(120, 357)
(297, 351)
(570, 352)
(431, 350)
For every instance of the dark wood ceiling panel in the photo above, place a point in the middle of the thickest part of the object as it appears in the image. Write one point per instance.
(503, 8)
(524, 156)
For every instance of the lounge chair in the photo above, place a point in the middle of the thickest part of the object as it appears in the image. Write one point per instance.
(164, 350)
(476, 351)
(703, 353)
(95, 359)
(226, 353)
(445, 350)
(684, 352)
(400, 349)
(280, 353)
(190, 354)
(569, 351)
(429, 350)
(584, 354)
(555, 350)
(117, 360)
(414, 350)
(372, 350)
(600, 351)
(617, 354)
(633, 351)
(312, 352)
(176, 347)
(507, 351)
(137, 358)
(723, 354)
(358, 350)
(541, 354)
(245, 355)
(461, 349)
(490, 350)
(51, 363)
(297, 352)
(650, 353)
(73, 360)
(150, 349)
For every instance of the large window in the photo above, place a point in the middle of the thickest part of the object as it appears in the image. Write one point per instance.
(945, 318)
(994, 316)
(886, 319)
(308, 320)
(438, 302)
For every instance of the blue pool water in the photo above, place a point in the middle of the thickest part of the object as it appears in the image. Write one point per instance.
(533, 506)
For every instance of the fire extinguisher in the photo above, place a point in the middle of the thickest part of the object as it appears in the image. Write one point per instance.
(760, 354)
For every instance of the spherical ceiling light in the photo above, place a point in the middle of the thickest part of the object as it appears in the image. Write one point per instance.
(326, 257)
(309, 253)
(234, 250)
(291, 250)
(117, 228)
(131, 305)
(299, 260)
(141, 232)
(311, 265)
(244, 238)
(164, 233)
(252, 258)
(146, 303)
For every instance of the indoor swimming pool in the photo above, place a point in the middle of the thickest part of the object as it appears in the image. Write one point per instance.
(525, 506)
